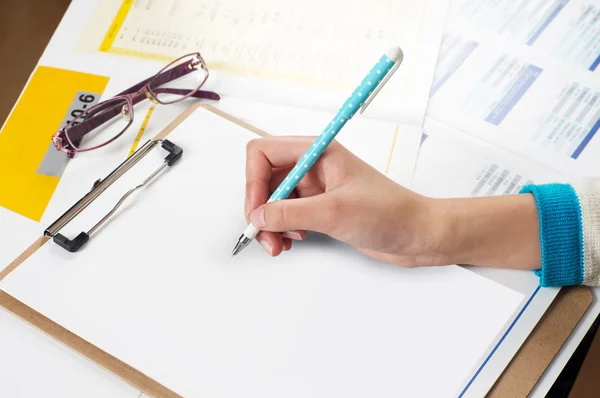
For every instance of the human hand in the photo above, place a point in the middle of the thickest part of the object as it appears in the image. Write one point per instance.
(340, 196)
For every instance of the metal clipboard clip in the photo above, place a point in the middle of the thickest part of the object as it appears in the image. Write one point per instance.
(73, 245)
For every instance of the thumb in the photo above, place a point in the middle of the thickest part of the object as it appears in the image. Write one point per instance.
(293, 214)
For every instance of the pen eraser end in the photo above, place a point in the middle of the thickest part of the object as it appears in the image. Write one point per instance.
(395, 54)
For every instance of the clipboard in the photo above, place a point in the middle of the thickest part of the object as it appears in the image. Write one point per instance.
(518, 379)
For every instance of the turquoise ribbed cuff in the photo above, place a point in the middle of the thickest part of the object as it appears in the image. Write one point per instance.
(561, 235)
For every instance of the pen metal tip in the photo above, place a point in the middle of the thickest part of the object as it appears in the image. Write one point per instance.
(242, 242)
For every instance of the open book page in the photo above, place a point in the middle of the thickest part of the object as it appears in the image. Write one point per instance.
(308, 53)
(524, 75)
(154, 287)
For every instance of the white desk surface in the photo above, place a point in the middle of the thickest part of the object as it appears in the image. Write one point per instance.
(32, 364)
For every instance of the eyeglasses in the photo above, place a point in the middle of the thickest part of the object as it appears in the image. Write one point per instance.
(89, 130)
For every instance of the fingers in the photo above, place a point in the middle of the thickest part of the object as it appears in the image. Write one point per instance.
(279, 151)
(255, 191)
(274, 243)
(263, 156)
(269, 161)
(291, 215)
(278, 176)
(294, 235)
(287, 244)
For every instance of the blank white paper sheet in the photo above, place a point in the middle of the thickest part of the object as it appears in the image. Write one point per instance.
(155, 288)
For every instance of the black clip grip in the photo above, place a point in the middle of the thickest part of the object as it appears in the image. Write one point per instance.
(175, 152)
(71, 245)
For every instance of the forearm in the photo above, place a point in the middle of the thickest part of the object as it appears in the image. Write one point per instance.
(553, 229)
(498, 231)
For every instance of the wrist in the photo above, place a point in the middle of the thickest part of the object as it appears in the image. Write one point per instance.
(432, 241)
(441, 243)
(500, 231)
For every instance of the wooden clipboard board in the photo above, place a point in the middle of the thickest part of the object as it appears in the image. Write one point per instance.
(517, 380)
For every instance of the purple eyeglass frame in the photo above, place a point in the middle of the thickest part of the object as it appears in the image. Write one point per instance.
(106, 110)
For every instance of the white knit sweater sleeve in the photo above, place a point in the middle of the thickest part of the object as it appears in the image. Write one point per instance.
(588, 192)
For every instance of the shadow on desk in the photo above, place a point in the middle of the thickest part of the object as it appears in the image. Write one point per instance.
(25, 28)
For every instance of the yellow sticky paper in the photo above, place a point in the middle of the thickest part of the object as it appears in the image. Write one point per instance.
(140, 133)
(28, 131)
(114, 28)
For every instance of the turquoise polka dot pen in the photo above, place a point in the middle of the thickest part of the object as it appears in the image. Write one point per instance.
(359, 100)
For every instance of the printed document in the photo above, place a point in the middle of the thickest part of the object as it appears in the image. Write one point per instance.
(524, 75)
(310, 54)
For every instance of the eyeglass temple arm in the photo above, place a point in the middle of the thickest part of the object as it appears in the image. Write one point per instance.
(161, 78)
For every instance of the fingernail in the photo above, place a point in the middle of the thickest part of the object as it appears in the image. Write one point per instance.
(267, 247)
(287, 245)
(257, 218)
(292, 235)
(247, 207)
